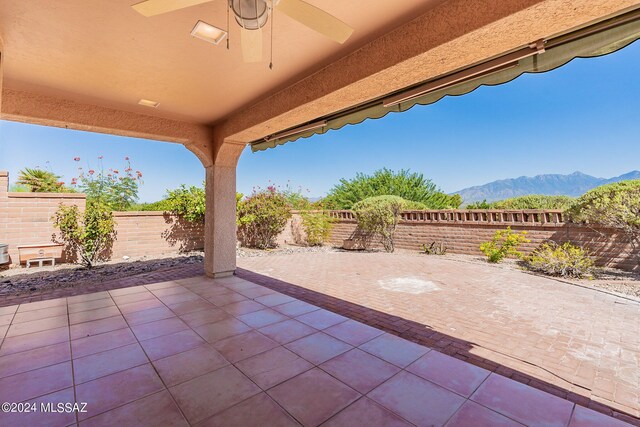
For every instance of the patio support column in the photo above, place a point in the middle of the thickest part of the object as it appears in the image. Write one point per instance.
(1, 71)
(220, 213)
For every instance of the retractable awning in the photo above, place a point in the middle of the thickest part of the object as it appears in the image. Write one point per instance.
(539, 57)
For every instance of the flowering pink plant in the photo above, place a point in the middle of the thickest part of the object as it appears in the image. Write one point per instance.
(118, 191)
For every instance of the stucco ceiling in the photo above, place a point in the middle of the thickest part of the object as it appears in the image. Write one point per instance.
(103, 52)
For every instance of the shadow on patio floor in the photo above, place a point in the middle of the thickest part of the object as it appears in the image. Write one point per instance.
(425, 335)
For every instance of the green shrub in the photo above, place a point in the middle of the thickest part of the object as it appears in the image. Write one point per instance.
(317, 226)
(504, 243)
(19, 188)
(379, 216)
(565, 260)
(479, 205)
(159, 206)
(410, 205)
(261, 217)
(405, 184)
(88, 234)
(614, 205)
(534, 201)
(188, 202)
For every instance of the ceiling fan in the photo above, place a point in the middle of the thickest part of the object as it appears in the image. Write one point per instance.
(252, 15)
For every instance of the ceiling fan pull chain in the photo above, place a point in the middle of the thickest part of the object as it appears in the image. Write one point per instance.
(228, 26)
(273, 13)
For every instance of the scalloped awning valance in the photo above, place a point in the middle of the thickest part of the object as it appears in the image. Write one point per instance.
(597, 40)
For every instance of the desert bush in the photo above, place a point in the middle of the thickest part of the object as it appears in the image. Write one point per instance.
(503, 244)
(188, 202)
(614, 205)
(261, 217)
(379, 216)
(535, 201)
(317, 226)
(161, 205)
(565, 260)
(479, 205)
(86, 234)
(532, 201)
(435, 248)
(405, 184)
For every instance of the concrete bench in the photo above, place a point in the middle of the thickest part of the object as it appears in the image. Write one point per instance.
(40, 253)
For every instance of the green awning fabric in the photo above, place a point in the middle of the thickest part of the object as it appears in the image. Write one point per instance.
(585, 43)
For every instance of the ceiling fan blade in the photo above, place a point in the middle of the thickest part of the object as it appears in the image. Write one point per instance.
(157, 7)
(251, 41)
(316, 19)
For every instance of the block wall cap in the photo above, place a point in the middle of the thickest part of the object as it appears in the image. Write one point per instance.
(77, 196)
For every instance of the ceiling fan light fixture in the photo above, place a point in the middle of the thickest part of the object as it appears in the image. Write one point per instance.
(250, 14)
(208, 32)
(148, 103)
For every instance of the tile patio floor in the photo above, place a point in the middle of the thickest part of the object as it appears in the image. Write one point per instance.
(229, 352)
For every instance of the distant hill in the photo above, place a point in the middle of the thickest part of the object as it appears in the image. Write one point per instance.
(574, 184)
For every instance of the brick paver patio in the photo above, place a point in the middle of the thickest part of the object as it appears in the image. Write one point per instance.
(229, 352)
(577, 343)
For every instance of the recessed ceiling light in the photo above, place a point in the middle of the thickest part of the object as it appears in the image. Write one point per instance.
(149, 103)
(208, 32)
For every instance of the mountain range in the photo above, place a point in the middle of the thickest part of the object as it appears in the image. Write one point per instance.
(574, 185)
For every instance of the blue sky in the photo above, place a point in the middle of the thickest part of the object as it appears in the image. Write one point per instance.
(583, 116)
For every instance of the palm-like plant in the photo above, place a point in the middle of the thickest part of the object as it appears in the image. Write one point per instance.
(40, 181)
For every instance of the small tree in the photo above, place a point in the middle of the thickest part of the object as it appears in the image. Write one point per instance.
(86, 234)
(317, 226)
(614, 205)
(504, 243)
(405, 184)
(379, 216)
(261, 217)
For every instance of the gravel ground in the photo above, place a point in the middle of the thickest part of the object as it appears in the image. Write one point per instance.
(284, 250)
(18, 281)
(21, 281)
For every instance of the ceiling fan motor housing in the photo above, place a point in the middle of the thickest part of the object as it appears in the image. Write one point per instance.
(250, 14)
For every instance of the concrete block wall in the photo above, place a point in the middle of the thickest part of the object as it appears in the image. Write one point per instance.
(154, 233)
(609, 247)
(26, 218)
